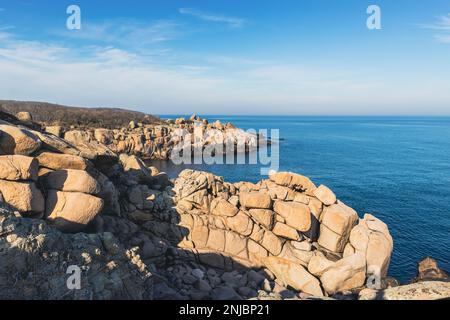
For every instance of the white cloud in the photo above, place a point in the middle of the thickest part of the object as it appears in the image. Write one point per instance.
(442, 38)
(231, 21)
(125, 32)
(441, 25)
(108, 76)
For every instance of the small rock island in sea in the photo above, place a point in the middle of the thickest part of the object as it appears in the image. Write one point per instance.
(78, 194)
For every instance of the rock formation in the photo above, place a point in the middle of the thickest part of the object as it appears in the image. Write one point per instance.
(305, 236)
(151, 141)
(137, 235)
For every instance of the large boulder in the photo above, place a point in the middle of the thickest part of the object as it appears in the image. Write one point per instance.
(89, 148)
(336, 223)
(222, 207)
(240, 223)
(71, 181)
(71, 211)
(297, 215)
(263, 216)
(285, 231)
(318, 264)
(428, 270)
(135, 168)
(324, 194)
(372, 239)
(345, 274)
(58, 161)
(255, 200)
(104, 136)
(272, 243)
(292, 180)
(54, 130)
(16, 167)
(15, 140)
(22, 196)
(294, 275)
(56, 144)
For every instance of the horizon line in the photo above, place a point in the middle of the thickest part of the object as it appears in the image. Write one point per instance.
(437, 115)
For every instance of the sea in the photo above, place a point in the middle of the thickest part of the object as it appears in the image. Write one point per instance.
(396, 168)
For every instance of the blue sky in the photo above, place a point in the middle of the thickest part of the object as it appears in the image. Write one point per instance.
(311, 57)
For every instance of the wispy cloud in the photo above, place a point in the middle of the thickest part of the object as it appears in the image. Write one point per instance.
(125, 32)
(106, 75)
(442, 38)
(233, 22)
(442, 26)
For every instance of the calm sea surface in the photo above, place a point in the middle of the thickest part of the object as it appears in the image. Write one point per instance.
(393, 167)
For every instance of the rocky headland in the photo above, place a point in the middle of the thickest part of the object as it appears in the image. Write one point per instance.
(104, 132)
(72, 196)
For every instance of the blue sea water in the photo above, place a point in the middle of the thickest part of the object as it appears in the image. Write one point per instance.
(397, 168)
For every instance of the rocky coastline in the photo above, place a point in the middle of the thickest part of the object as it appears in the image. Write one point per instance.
(154, 141)
(83, 197)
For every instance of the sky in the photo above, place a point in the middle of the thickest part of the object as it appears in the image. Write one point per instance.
(286, 57)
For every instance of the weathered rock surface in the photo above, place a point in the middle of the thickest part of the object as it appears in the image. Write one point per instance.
(71, 211)
(108, 271)
(255, 200)
(296, 215)
(294, 275)
(71, 181)
(428, 270)
(22, 196)
(16, 168)
(345, 274)
(371, 238)
(202, 237)
(337, 221)
(325, 195)
(271, 225)
(19, 141)
(428, 290)
(58, 161)
(88, 146)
